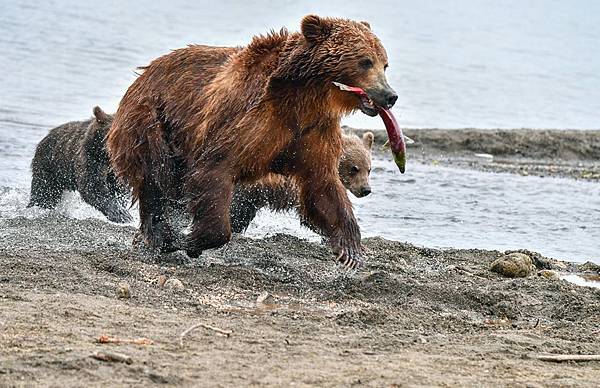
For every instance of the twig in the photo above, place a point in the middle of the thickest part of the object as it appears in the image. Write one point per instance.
(112, 357)
(568, 357)
(104, 339)
(225, 333)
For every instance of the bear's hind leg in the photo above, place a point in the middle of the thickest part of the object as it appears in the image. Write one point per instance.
(46, 192)
(245, 204)
(153, 221)
(211, 226)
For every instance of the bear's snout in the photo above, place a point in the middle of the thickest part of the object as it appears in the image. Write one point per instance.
(361, 191)
(366, 190)
(382, 94)
(384, 97)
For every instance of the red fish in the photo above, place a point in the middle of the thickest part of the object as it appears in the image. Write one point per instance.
(394, 132)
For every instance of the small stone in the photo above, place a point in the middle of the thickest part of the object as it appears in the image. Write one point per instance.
(264, 298)
(548, 274)
(513, 265)
(174, 284)
(162, 279)
(123, 290)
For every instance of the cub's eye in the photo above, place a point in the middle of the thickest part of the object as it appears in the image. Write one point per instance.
(366, 64)
(354, 170)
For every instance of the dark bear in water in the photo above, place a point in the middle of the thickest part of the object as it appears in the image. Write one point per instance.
(73, 157)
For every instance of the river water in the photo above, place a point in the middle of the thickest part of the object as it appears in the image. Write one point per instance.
(484, 64)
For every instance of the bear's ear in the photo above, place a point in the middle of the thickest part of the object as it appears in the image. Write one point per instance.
(366, 24)
(367, 139)
(100, 115)
(315, 28)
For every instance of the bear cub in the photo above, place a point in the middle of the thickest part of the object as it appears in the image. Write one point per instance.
(73, 157)
(279, 193)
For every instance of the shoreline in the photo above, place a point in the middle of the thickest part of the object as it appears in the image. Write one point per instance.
(564, 153)
(413, 315)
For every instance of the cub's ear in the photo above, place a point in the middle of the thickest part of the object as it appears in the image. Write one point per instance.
(100, 115)
(367, 139)
(315, 28)
(366, 24)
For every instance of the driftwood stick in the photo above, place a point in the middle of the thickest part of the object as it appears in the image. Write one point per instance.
(187, 331)
(112, 357)
(567, 357)
(104, 339)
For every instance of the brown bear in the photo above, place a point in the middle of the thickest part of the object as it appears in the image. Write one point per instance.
(189, 129)
(279, 193)
(73, 157)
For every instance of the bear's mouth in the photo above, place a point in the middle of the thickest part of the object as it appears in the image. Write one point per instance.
(367, 106)
(394, 132)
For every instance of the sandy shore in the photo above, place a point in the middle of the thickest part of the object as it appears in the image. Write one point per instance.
(413, 316)
(565, 153)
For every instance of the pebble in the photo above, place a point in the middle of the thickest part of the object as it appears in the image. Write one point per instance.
(174, 284)
(123, 290)
(162, 279)
(548, 274)
(514, 265)
(264, 298)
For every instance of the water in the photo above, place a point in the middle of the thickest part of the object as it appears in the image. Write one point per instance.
(437, 207)
(472, 63)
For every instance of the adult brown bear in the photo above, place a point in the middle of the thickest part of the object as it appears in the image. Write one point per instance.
(187, 128)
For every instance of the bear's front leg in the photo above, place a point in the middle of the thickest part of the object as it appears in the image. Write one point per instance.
(210, 189)
(325, 206)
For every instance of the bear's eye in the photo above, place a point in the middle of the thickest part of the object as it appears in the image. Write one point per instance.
(354, 170)
(366, 64)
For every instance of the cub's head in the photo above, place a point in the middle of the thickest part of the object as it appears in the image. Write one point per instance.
(346, 51)
(355, 163)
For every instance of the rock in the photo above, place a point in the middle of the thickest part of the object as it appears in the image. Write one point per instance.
(162, 279)
(547, 274)
(123, 290)
(264, 298)
(514, 265)
(174, 284)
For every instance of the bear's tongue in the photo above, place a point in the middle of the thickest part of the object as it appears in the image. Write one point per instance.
(394, 132)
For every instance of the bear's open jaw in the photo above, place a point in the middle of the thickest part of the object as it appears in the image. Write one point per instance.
(395, 135)
(367, 106)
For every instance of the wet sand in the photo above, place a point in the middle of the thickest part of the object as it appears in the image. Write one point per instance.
(562, 153)
(412, 316)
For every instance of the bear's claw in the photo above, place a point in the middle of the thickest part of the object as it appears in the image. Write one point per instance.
(349, 260)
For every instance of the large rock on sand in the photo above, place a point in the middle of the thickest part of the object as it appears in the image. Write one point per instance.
(514, 265)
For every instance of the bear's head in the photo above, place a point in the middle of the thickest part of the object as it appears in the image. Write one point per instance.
(355, 163)
(348, 52)
(98, 128)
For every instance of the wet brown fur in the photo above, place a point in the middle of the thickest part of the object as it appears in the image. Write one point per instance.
(279, 193)
(188, 126)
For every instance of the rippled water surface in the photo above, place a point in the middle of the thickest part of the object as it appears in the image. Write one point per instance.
(454, 63)
(439, 207)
